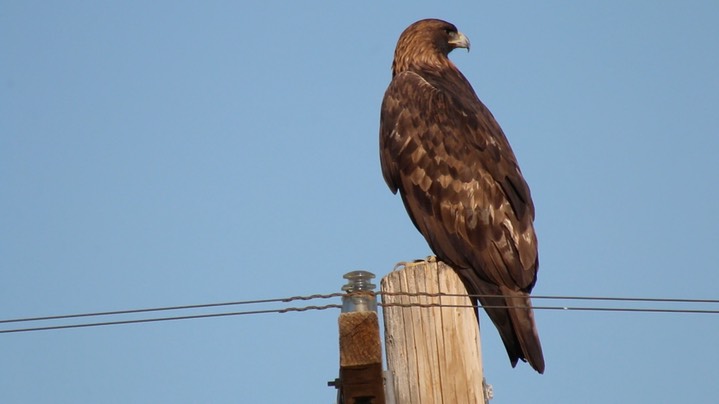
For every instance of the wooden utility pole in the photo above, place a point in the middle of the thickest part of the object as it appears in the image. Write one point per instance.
(433, 353)
(360, 380)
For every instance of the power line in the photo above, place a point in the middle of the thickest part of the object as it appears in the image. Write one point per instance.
(557, 297)
(564, 308)
(334, 306)
(627, 299)
(188, 317)
(168, 308)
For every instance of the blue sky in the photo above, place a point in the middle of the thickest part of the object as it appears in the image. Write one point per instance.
(170, 153)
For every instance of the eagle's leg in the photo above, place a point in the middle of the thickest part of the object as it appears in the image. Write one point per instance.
(408, 264)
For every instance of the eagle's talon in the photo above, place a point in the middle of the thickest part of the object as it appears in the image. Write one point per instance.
(409, 264)
(400, 266)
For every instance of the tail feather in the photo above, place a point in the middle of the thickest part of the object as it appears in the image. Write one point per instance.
(524, 328)
(515, 325)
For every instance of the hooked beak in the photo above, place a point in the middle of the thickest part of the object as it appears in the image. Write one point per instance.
(458, 40)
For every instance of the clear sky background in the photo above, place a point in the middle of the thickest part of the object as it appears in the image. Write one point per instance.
(173, 152)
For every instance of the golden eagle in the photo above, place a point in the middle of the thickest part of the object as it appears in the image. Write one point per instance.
(444, 152)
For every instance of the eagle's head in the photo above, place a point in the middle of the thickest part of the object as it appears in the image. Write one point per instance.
(427, 42)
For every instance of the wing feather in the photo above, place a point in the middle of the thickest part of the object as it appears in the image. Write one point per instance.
(458, 177)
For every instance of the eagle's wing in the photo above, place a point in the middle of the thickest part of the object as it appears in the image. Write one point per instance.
(458, 178)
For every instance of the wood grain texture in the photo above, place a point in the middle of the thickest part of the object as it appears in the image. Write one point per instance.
(360, 358)
(433, 353)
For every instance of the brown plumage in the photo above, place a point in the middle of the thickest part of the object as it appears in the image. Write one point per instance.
(442, 149)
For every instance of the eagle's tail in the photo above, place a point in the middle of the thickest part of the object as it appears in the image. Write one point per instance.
(516, 325)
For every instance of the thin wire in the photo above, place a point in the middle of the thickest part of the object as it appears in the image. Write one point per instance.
(338, 306)
(565, 308)
(629, 309)
(153, 320)
(169, 308)
(339, 294)
(627, 299)
(555, 297)
(329, 306)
